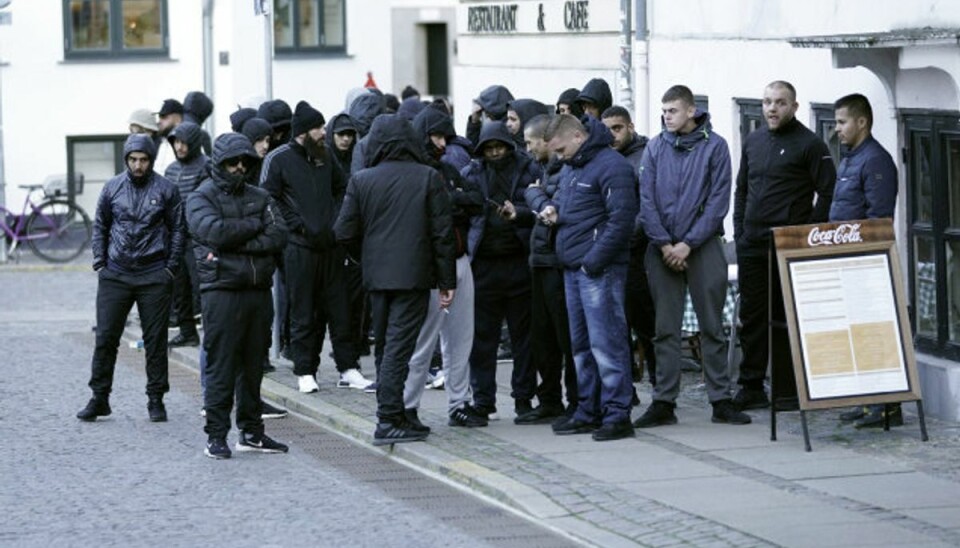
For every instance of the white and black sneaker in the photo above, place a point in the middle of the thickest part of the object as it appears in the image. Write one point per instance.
(353, 378)
(261, 443)
(217, 449)
(402, 432)
(268, 411)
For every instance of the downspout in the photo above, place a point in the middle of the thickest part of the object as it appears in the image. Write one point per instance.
(643, 67)
(625, 98)
(208, 59)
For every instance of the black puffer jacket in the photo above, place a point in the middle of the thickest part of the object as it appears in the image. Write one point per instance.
(188, 172)
(307, 191)
(543, 239)
(138, 227)
(236, 229)
(400, 212)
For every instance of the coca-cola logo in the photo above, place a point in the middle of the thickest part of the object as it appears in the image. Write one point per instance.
(847, 233)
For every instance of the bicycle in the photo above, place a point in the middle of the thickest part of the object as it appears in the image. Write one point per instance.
(56, 229)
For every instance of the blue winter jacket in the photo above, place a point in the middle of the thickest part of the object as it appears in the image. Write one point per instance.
(596, 205)
(685, 183)
(866, 184)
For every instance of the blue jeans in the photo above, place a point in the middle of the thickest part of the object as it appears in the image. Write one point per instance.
(598, 337)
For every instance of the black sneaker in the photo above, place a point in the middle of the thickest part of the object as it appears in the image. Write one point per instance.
(614, 431)
(267, 366)
(158, 413)
(522, 407)
(751, 398)
(261, 443)
(572, 426)
(413, 417)
(371, 388)
(488, 411)
(388, 433)
(96, 407)
(268, 411)
(542, 414)
(875, 415)
(217, 449)
(660, 413)
(467, 417)
(854, 414)
(724, 412)
(184, 340)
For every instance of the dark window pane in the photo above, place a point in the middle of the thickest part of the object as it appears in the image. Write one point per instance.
(283, 23)
(953, 181)
(333, 23)
(309, 24)
(923, 193)
(953, 289)
(926, 287)
(142, 24)
(90, 24)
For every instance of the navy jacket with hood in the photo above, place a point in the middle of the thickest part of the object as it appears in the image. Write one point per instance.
(399, 212)
(685, 183)
(236, 229)
(597, 91)
(190, 171)
(596, 204)
(138, 227)
(524, 172)
(866, 184)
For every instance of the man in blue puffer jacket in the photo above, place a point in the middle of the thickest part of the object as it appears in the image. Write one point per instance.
(137, 248)
(594, 212)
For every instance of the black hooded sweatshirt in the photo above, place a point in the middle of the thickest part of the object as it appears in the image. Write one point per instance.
(190, 171)
(526, 110)
(493, 100)
(338, 124)
(399, 212)
(597, 91)
(197, 107)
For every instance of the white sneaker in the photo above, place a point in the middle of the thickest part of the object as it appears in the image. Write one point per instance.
(307, 384)
(436, 381)
(353, 378)
(203, 411)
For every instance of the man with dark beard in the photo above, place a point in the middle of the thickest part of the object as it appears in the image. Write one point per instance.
(308, 186)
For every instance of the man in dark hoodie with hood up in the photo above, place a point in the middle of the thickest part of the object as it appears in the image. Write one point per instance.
(363, 110)
(567, 103)
(685, 183)
(399, 212)
(237, 233)
(197, 107)
(595, 97)
(278, 113)
(594, 212)
(308, 186)
(455, 326)
(137, 248)
(499, 245)
(491, 104)
(186, 172)
(343, 142)
(519, 112)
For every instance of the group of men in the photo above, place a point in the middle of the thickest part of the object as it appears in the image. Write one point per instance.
(561, 221)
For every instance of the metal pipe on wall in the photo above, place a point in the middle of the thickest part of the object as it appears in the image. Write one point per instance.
(208, 65)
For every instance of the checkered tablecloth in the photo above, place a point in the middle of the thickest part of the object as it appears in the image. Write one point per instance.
(690, 324)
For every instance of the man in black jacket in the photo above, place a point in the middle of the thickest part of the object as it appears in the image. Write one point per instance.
(400, 213)
(186, 172)
(783, 166)
(137, 248)
(307, 186)
(237, 235)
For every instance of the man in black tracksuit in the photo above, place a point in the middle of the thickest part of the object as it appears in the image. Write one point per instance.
(307, 186)
(137, 248)
(399, 211)
(186, 172)
(783, 166)
(237, 234)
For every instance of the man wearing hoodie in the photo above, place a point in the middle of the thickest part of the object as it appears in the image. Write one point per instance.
(519, 112)
(567, 103)
(343, 142)
(197, 107)
(186, 172)
(685, 194)
(594, 212)
(137, 248)
(595, 97)
(364, 109)
(307, 186)
(168, 118)
(499, 244)
(491, 104)
(237, 234)
(277, 112)
(399, 213)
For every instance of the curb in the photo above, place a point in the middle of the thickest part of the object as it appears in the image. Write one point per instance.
(44, 267)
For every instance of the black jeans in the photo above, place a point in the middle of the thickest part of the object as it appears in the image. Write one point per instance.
(752, 273)
(502, 289)
(397, 319)
(318, 297)
(186, 291)
(116, 295)
(641, 313)
(550, 338)
(236, 336)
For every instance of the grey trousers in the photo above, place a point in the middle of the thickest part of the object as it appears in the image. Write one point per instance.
(706, 277)
(456, 339)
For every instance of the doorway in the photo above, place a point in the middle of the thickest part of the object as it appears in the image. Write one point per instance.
(438, 61)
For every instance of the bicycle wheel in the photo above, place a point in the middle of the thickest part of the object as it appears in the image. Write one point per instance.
(58, 231)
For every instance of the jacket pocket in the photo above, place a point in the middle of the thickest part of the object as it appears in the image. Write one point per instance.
(208, 270)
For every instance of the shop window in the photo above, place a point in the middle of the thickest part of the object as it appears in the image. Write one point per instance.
(751, 116)
(115, 28)
(309, 26)
(825, 125)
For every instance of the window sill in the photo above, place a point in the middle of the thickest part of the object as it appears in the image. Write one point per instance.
(117, 59)
(310, 55)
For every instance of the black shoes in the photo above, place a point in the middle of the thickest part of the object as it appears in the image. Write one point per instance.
(571, 426)
(876, 413)
(724, 412)
(854, 414)
(660, 413)
(522, 407)
(488, 411)
(467, 417)
(388, 433)
(413, 418)
(268, 411)
(260, 443)
(158, 413)
(96, 407)
(184, 339)
(751, 398)
(217, 449)
(543, 414)
(614, 431)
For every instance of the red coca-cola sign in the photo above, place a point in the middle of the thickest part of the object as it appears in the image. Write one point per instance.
(847, 233)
